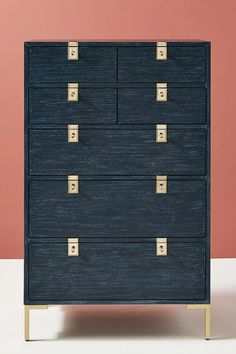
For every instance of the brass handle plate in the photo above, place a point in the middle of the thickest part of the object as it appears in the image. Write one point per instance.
(73, 133)
(161, 92)
(73, 92)
(161, 133)
(73, 184)
(73, 51)
(161, 51)
(161, 184)
(73, 246)
(161, 246)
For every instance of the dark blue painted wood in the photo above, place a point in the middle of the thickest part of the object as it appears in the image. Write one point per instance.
(208, 175)
(50, 64)
(49, 105)
(26, 168)
(184, 64)
(117, 208)
(180, 71)
(139, 106)
(117, 152)
(116, 271)
(149, 43)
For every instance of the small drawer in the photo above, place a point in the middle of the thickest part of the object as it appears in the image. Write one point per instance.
(50, 64)
(126, 150)
(50, 105)
(184, 105)
(113, 208)
(183, 64)
(116, 271)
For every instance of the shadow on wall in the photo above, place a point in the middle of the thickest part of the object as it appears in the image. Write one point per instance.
(149, 320)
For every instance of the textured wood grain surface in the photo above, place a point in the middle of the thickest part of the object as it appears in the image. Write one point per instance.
(184, 64)
(117, 152)
(49, 105)
(108, 271)
(117, 208)
(48, 64)
(184, 105)
(117, 215)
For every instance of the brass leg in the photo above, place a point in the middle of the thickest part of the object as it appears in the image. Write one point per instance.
(27, 317)
(207, 309)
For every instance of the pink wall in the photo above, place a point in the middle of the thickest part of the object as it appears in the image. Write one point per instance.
(212, 20)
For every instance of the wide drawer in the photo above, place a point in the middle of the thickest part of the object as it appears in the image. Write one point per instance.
(49, 105)
(122, 271)
(50, 64)
(138, 105)
(125, 207)
(184, 64)
(118, 151)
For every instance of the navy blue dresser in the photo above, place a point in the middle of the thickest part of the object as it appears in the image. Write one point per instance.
(117, 174)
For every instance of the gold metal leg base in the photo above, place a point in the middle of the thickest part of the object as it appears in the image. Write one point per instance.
(207, 309)
(27, 317)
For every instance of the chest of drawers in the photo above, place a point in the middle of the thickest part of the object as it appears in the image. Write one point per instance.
(117, 174)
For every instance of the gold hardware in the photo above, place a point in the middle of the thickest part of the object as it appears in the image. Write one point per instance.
(161, 91)
(73, 133)
(73, 92)
(161, 133)
(161, 246)
(207, 308)
(161, 51)
(73, 184)
(27, 317)
(161, 184)
(73, 246)
(73, 51)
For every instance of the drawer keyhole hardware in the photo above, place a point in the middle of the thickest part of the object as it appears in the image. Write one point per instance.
(73, 51)
(73, 133)
(73, 92)
(73, 184)
(161, 246)
(161, 51)
(161, 133)
(73, 247)
(161, 92)
(161, 184)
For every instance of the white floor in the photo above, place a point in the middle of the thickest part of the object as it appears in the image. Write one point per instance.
(118, 329)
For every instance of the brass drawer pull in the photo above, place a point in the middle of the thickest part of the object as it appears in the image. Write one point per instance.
(73, 51)
(161, 51)
(73, 184)
(73, 92)
(161, 92)
(161, 133)
(73, 133)
(161, 246)
(161, 184)
(73, 247)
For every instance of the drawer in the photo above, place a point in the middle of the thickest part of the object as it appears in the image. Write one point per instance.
(184, 64)
(185, 105)
(49, 105)
(125, 207)
(118, 151)
(48, 64)
(119, 271)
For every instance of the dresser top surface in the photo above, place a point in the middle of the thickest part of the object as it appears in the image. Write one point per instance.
(126, 43)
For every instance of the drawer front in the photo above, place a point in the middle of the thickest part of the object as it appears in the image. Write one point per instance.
(116, 271)
(117, 208)
(117, 152)
(49, 105)
(50, 65)
(184, 64)
(184, 106)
